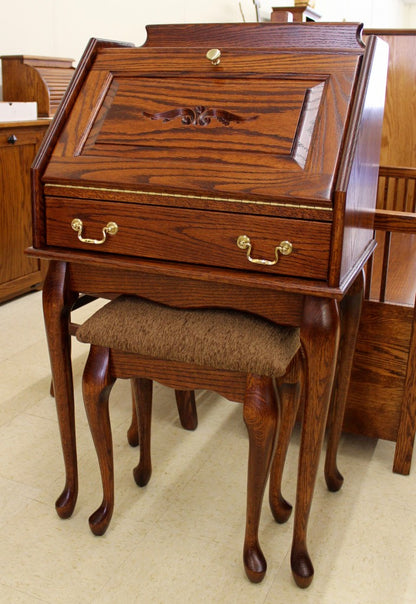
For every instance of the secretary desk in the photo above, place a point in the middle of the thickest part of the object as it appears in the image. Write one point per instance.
(227, 166)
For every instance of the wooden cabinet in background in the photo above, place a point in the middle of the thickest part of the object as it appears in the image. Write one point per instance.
(41, 79)
(398, 143)
(19, 142)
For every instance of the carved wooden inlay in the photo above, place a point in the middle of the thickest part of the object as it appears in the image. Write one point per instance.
(198, 116)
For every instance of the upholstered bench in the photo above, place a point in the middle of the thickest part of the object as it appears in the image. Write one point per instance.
(233, 353)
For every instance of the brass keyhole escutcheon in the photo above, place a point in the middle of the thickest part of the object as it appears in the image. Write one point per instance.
(214, 55)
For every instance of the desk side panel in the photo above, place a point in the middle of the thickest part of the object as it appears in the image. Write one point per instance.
(356, 190)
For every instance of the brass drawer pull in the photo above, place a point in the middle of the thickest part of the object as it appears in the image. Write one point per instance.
(111, 228)
(285, 248)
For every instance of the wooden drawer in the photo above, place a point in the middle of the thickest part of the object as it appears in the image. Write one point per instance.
(193, 236)
(15, 135)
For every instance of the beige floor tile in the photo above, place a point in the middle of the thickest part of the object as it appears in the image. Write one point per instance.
(14, 596)
(180, 538)
(169, 565)
(61, 561)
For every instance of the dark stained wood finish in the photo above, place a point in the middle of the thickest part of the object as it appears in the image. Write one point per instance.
(19, 142)
(259, 411)
(290, 395)
(185, 402)
(323, 171)
(186, 235)
(350, 309)
(339, 36)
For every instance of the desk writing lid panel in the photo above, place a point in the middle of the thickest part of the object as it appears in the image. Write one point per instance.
(259, 125)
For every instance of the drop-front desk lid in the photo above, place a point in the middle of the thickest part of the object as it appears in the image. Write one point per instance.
(260, 125)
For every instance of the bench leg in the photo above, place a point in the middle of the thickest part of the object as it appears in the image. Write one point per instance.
(142, 396)
(185, 401)
(260, 416)
(289, 388)
(96, 387)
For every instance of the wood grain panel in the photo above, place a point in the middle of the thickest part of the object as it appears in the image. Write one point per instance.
(194, 236)
(398, 147)
(379, 370)
(18, 272)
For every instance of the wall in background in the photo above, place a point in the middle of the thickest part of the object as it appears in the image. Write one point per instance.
(62, 28)
(373, 13)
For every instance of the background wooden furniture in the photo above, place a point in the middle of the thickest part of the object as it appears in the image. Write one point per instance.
(295, 14)
(40, 79)
(19, 142)
(25, 78)
(382, 394)
(382, 397)
(398, 142)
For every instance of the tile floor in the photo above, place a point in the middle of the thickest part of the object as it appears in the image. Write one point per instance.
(180, 538)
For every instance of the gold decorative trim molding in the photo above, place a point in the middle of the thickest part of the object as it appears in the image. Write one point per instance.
(182, 196)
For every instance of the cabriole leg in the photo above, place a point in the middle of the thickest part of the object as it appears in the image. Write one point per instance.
(57, 304)
(289, 388)
(320, 339)
(96, 387)
(350, 312)
(260, 416)
(142, 389)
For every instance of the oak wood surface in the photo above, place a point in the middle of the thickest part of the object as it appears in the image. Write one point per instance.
(33, 78)
(398, 146)
(188, 235)
(382, 394)
(324, 168)
(18, 145)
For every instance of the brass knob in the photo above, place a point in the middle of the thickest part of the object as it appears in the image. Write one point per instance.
(214, 55)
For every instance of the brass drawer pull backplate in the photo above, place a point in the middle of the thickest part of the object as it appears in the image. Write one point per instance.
(111, 228)
(285, 248)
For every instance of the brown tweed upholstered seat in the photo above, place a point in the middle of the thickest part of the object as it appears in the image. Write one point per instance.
(234, 353)
(220, 339)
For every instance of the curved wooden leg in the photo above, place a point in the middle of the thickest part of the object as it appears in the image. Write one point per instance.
(350, 312)
(320, 338)
(260, 416)
(142, 389)
(289, 388)
(133, 431)
(96, 387)
(57, 304)
(185, 401)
